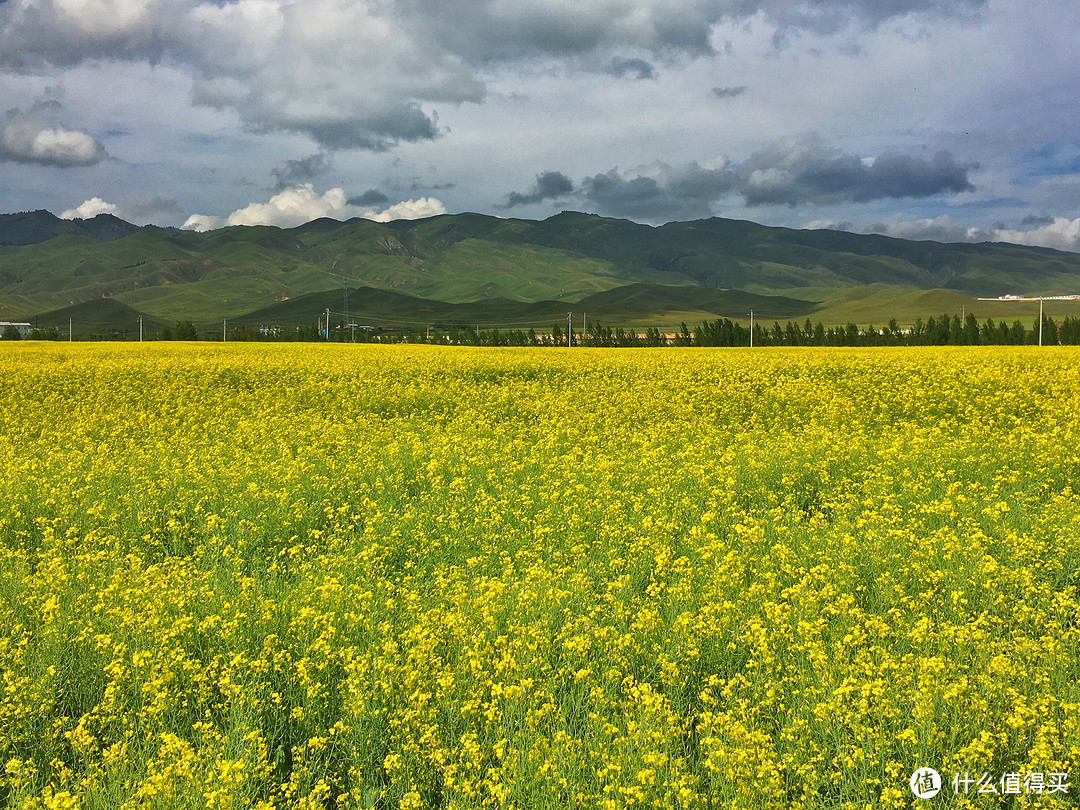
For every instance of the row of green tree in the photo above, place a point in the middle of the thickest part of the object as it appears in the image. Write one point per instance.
(941, 331)
(946, 330)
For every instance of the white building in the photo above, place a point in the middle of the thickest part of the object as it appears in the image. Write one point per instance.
(23, 328)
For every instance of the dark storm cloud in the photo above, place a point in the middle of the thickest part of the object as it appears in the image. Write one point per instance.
(406, 123)
(1032, 220)
(632, 68)
(372, 198)
(635, 197)
(416, 185)
(548, 186)
(482, 31)
(800, 173)
(808, 172)
(729, 92)
(831, 16)
(658, 192)
(295, 172)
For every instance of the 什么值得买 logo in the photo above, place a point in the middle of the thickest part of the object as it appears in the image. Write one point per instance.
(926, 783)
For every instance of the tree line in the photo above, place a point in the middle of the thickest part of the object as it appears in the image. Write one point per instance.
(944, 330)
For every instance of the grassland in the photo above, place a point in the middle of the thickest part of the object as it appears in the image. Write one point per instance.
(339, 576)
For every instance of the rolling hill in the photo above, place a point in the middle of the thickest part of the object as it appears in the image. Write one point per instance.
(474, 268)
(31, 227)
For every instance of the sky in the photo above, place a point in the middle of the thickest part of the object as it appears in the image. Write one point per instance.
(953, 120)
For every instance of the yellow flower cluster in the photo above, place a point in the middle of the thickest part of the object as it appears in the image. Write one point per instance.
(322, 576)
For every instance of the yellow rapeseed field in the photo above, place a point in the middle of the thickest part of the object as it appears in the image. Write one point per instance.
(322, 576)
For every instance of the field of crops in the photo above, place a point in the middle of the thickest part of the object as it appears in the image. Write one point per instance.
(338, 576)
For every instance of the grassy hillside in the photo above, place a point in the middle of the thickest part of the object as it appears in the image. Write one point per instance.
(631, 305)
(876, 305)
(104, 316)
(649, 274)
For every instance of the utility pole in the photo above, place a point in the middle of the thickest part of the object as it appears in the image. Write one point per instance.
(1040, 299)
(751, 329)
(69, 330)
(140, 329)
(569, 329)
(345, 301)
(328, 324)
(224, 321)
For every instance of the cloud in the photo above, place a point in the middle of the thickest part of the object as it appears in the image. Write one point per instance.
(729, 92)
(294, 172)
(938, 229)
(370, 75)
(34, 136)
(836, 15)
(409, 209)
(292, 207)
(148, 208)
(1060, 233)
(346, 73)
(201, 223)
(369, 199)
(90, 209)
(295, 206)
(484, 32)
(634, 68)
(806, 171)
(1033, 219)
(548, 186)
(659, 192)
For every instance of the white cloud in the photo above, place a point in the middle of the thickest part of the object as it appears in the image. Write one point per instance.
(937, 229)
(1061, 233)
(409, 209)
(200, 223)
(299, 204)
(90, 209)
(292, 207)
(31, 137)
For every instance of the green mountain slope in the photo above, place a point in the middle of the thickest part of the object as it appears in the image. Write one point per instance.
(635, 304)
(103, 316)
(638, 271)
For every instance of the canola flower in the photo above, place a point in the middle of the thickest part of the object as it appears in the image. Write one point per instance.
(340, 576)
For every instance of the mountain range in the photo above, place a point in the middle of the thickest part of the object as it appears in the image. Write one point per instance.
(484, 270)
